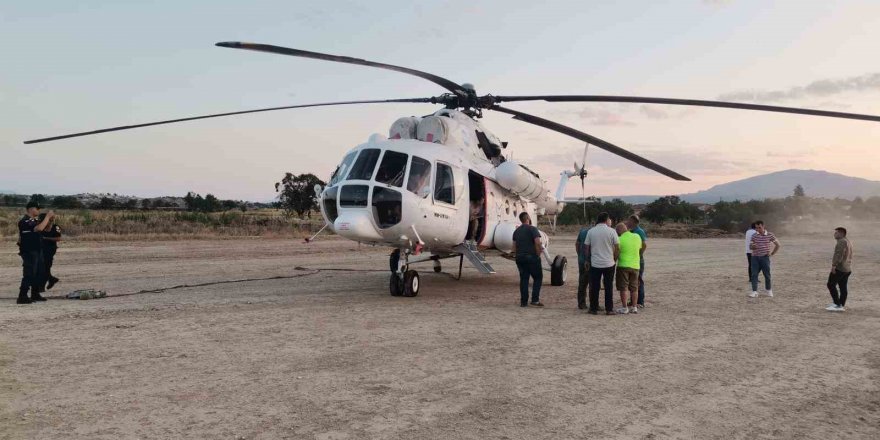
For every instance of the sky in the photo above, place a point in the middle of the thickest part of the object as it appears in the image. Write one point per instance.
(78, 66)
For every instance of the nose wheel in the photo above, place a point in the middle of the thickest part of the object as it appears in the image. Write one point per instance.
(403, 282)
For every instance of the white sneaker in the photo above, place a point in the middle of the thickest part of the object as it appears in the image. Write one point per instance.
(840, 309)
(622, 311)
(769, 293)
(831, 307)
(753, 294)
(634, 310)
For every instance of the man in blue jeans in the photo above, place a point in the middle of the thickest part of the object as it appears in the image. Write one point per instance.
(527, 248)
(761, 253)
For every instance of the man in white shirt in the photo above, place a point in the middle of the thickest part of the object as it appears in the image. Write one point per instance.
(749, 235)
(603, 246)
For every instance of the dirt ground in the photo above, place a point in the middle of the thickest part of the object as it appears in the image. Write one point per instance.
(328, 354)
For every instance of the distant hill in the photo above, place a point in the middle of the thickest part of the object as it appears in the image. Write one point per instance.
(777, 185)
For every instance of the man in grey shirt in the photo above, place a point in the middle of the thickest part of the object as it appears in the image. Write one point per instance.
(603, 247)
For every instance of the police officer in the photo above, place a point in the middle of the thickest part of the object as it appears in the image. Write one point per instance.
(51, 237)
(30, 250)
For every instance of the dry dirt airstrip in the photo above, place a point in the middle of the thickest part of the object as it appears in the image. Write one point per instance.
(328, 354)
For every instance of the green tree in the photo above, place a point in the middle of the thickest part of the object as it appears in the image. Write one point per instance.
(66, 202)
(799, 191)
(39, 199)
(106, 203)
(296, 194)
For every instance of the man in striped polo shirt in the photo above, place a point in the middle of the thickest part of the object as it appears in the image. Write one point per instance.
(761, 253)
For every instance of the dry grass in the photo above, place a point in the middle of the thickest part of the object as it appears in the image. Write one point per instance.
(93, 225)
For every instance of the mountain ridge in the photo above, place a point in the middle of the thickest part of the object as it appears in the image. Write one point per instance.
(779, 184)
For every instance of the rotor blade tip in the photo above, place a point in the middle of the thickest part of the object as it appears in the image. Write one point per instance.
(233, 44)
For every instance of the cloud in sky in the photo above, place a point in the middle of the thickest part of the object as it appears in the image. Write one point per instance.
(821, 88)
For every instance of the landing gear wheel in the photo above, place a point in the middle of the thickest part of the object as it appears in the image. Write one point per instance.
(437, 267)
(410, 283)
(558, 271)
(396, 285)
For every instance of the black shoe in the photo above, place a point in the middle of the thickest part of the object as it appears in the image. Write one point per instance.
(523, 304)
(23, 300)
(36, 297)
(593, 312)
(582, 306)
(537, 304)
(52, 282)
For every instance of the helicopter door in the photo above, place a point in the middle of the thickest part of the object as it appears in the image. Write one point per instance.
(476, 207)
(450, 222)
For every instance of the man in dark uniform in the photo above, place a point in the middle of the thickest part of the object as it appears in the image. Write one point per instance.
(51, 237)
(527, 248)
(30, 250)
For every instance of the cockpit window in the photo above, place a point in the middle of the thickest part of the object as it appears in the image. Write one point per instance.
(392, 168)
(419, 176)
(444, 188)
(364, 165)
(343, 168)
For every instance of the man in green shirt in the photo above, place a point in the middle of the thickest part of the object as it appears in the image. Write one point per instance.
(628, 266)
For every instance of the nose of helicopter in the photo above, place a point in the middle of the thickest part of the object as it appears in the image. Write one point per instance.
(356, 225)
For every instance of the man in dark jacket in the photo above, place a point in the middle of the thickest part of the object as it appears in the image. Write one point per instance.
(30, 250)
(51, 237)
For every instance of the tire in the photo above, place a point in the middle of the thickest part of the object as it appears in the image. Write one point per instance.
(411, 283)
(558, 271)
(395, 285)
(437, 267)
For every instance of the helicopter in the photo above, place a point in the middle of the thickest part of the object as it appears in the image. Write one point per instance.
(439, 186)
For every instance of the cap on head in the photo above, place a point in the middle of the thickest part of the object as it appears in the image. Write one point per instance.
(634, 219)
(841, 229)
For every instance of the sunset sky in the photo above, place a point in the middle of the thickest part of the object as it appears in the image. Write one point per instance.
(77, 66)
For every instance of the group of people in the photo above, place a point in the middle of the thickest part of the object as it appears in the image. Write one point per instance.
(38, 238)
(606, 256)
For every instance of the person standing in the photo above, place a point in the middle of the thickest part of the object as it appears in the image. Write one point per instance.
(51, 237)
(632, 223)
(583, 267)
(628, 269)
(841, 268)
(761, 253)
(603, 246)
(749, 235)
(527, 248)
(30, 250)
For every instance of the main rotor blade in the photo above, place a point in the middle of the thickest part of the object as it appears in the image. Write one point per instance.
(442, 82)
(607, 146)
(193, 118)
(691, 102)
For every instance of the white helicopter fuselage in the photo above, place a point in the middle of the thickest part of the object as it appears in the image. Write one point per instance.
(414, 194)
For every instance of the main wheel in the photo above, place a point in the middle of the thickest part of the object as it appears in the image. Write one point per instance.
(558, 271)
(410, 283)
(437, 267)
(395, 285)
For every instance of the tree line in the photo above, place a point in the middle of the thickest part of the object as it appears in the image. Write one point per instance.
(191, 202)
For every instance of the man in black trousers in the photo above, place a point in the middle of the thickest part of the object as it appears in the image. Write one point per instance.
(603, 247)
(31, 252)
(841, 268)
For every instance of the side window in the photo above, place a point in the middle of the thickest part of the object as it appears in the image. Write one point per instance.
(419, 176)
(343, 168)
(444, 186)
(392, 168)
(364, 165)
